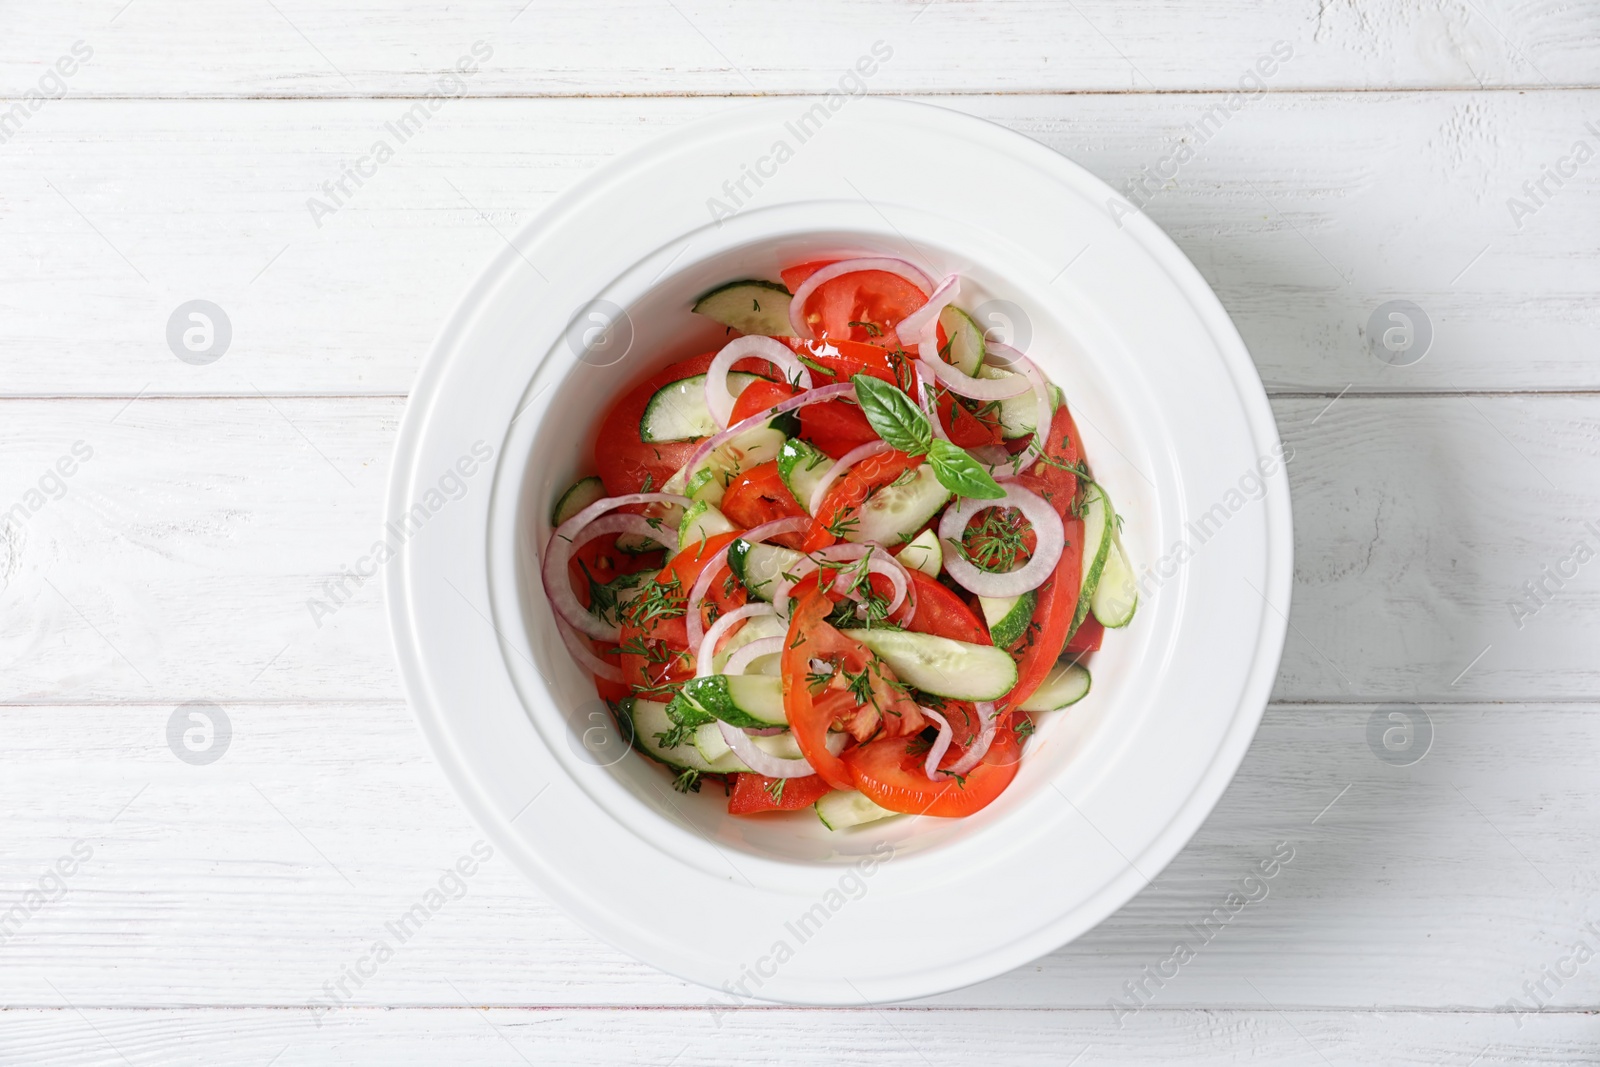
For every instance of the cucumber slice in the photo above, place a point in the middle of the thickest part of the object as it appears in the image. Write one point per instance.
(1116, 597)
(702, 520)
(966, 340)
(753, 630)
(1008, 616)
(844, 808)
(801, 466)
(749, 306)
(956, 669)
(754, 700)
(1067, 683)
(1097, 518)
(1019, 415)
(924, 553)
(730, 459)
(650, 720)
(898, 510)
(678, 410)
(760, 566)
(579, 495)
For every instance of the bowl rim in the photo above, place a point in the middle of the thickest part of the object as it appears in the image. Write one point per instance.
(568, 886)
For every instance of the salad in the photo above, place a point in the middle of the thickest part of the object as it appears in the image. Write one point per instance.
(843, 561)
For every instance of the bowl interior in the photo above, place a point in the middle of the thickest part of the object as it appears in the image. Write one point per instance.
(611, 347)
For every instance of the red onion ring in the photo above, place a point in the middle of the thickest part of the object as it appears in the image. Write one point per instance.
(1042, 412)
(814, 396)
(761, 761)
(638, 525)
(914, 324)
(742, 658)
(897, 267)
(976, 388)
(941, 744)
(719, 399)
(708, 573)
(980, 747)
(558, 554)
(848, 460)
(585, 655)
(881, 563)
(1050, 538)
(926, 401)
(707, 650)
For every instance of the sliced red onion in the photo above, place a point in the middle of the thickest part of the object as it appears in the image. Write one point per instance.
(759, 759)
(976, 388)
(742, 658)
(1050, 538)
(813, 396)
(927, 315)
(558, 554)
(980, 747)
(585, 655)
(881, 563)
(719, 399)
(941, 744)
(1042, 412)
(707, 648)
(898, 267)
(638, 525)
(702, 584)
(835, 472)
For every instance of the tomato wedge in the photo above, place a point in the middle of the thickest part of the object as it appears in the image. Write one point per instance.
(1037, 649)
(759, 495)
(833, 518)
(890, 771)
(754, 794)
(809, 719)
(942, 613)
(760, 396)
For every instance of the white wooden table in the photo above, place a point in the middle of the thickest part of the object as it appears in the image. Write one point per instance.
(212, 911)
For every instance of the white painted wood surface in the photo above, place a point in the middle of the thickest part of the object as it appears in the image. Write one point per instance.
(176, 563)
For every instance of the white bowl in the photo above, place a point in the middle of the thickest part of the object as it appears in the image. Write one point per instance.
(780, 908)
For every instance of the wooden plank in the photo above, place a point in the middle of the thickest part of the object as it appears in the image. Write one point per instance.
(267, 875)
(190, 556)
(836, 1038)
(295, 48)
(1305, 212)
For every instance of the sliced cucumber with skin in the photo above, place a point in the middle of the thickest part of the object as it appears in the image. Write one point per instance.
(750, 306)
(713, 746)
(678, 410)
(579, 495)
(844, 808)
(802, 465)
(701, 521)
(760, 566)
(1019, 415)
(731, 459)
(1067, 683)
(924, 553)
(899, 509)
(1097, 518)
(648, 719)
(956, 669)
(754, 629)
(753, 700)
(1008, 616)
(1116, 597)
(966, 340)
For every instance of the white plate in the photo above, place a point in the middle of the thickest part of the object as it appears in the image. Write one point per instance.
(1174, 419)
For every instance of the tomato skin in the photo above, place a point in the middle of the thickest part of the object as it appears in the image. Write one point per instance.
(1088, 635)
(942, 613)
(1052, 619)
(965, 428)
(759, 495)
(750, 794)
(760, 396)
(843, 359)
(1064, 448)
(894, 778)
(808, 721)
(849, 492)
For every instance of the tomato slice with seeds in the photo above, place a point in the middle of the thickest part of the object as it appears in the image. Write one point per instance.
(890, 771)
(754, 794)
(863, 306)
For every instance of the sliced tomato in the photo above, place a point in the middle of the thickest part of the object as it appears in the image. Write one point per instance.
(759, 495)
(842, 359)
(794, 277)
(1087, 638)
(760, 396)
(1050, 476)
(850, 492)
(808, 719)
(942, 613)
(756, 793)
(966, 428)
(890, 771)
(835, 427)
(626, 463)
(655, 650)
(1037, 649)
(864, 305)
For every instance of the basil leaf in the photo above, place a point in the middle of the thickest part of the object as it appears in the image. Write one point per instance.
(961, 474)
(892, 415)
